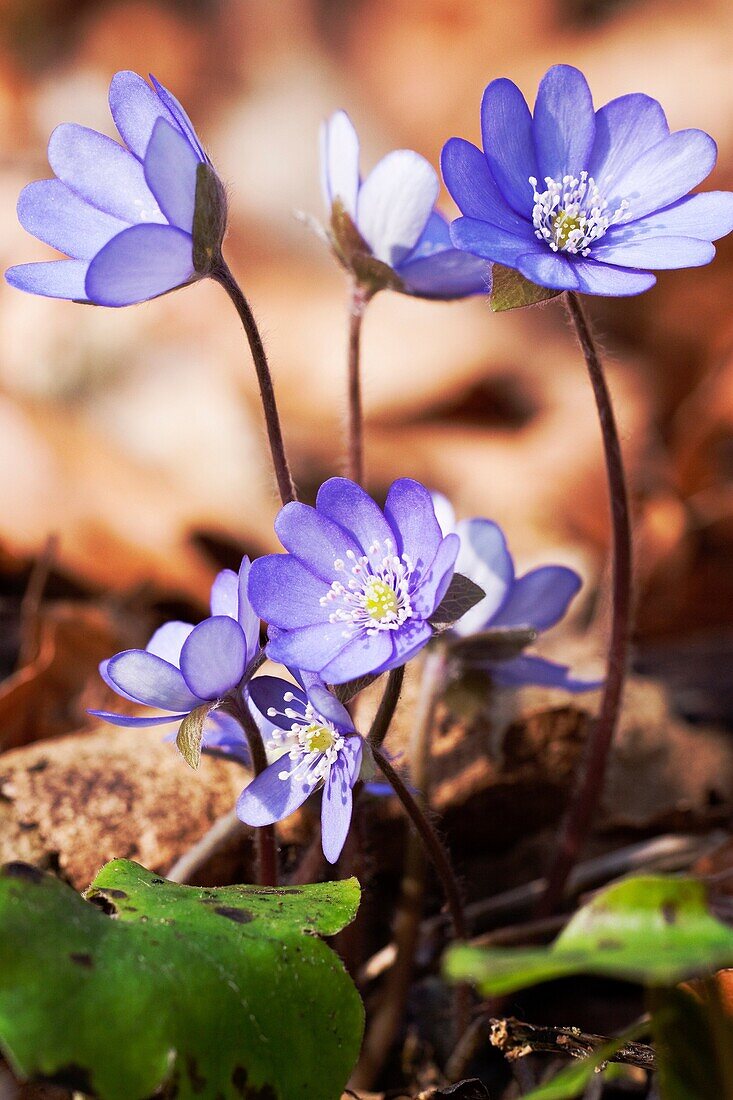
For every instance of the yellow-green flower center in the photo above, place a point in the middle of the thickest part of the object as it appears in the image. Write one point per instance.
(380, 600)
(563, 224)
(317, 738)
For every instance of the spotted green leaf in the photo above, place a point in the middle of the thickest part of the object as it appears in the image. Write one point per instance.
(650, 929)
(205, 993)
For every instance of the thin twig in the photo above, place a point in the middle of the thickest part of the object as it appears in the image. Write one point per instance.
(30, 607)
(587, 797)
(224, 277)
(222, 832)
(517, 1039)
(387, 707)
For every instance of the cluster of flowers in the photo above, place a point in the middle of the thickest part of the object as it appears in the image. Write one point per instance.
(355, 595)
(570, 197)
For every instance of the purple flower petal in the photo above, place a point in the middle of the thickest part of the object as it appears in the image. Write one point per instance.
(52, 278)
(655, 252)
(539, 599)
(664, 173)
(506, 126)
(309, 647)
(103, 173)
(135, 109)
(528, 669)
(484, 557)
(548, 269)
(449, 274)
(170, 170)
(357, 657)
(327, 705)
(170, 102)
(564, 123)
(604, 279)
(347, 504)
(435, 580)
(268, 798)
(483, 239)
(625, 129)
(213, 657)
(58, 216)
(135, 721)
(150, 680)
(248, 618)
(340, 162)
(223, 733)
(168, 640)
(224, 599)
(434, 238)
(406, 643)
(395, 202)
(706, 217)
(316, 541)
(444, 513)
(336, 810)
(468, 178)
(141, 263)
(352, 752)
(268, 693)
(411, 515)
(286, 594)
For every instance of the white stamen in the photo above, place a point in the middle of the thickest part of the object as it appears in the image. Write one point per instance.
(572, 215)
(376, 596)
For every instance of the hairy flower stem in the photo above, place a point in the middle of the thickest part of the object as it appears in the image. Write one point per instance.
(432, 842)
(387, 707)
(585, 801)
(359, 300)
(265, 834)
(224, 277)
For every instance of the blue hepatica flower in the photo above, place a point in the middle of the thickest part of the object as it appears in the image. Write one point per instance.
(124, 216)
(577, 199)
(356, 589)
(393, 210)
(316, 746)
(537, 600)
(184, 666)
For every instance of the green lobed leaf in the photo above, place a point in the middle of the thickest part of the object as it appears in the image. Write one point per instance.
(191, 734)
(209, 992)
(462, 595)
(510, 290)
(651, 929)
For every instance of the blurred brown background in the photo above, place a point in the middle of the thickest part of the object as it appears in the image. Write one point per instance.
(135, 435)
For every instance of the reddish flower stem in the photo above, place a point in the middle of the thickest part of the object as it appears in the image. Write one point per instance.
(584, 804)
(358, 303)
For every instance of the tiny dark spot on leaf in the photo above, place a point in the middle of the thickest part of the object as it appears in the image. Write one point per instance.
(157, 881)
(81, 958)
(241, 916)
(610, 944)
(110, 893)
(198, 1083)
(103, 903)
(669, 912)
(22, 870)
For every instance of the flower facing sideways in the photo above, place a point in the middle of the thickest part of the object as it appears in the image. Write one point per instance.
(185, 666)
(537, 600)
(355, 592)
(316, 746)
(397, 225)
(584, 200)
(136, 220)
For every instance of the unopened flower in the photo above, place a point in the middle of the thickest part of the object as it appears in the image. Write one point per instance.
(316, 746)
(386, 228)
(184, 666)
(355, 592)
(584, 200)
(536, 601)
(136, 220)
